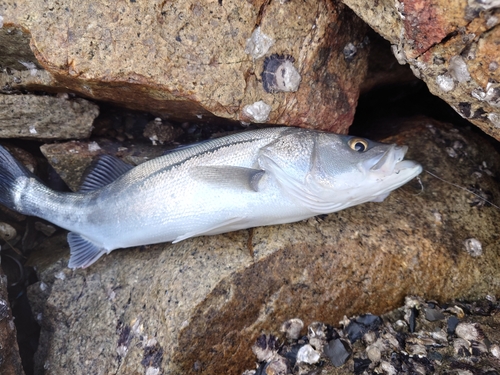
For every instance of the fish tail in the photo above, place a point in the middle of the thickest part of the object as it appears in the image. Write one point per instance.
(11, 171)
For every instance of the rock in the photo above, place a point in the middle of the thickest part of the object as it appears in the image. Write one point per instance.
(10, 362)
(45, 117)
(198, 305)
(195, 58)
(453, 47)
(71, 159)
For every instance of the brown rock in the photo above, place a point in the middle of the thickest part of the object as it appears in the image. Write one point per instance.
(199, 305)
(45, 117)
(452, 46)
(10, 362)
(187, 60)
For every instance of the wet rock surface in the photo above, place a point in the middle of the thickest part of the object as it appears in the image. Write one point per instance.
(46, 117)
(453, 47)
(193, 59)
(464, 340)
(191, 306)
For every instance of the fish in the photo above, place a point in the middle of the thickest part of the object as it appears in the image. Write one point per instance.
(254, 178)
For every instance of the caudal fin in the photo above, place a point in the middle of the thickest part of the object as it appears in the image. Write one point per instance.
(10, 171)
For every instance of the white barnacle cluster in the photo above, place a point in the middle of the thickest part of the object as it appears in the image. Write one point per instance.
(258, 44)
(457, 73)
(458, 69)
(445, 82)
(257, 112)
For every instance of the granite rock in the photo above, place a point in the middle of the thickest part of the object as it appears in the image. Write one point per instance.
(200, 304)
(193, 59)
(45, 117)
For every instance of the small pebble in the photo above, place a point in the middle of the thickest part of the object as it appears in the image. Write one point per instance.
(469, 332)
(292, 328)
(452, 324)
(461, 347)
(337, 352)
(307, 354)
(265, 347)
(277, 366)
(495, 350)
(433, 314)
(473, 247)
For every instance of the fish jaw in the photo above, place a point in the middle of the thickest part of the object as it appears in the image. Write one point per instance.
(390, 172)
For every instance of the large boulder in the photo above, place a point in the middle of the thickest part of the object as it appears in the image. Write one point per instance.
(453, 46)
(199, 305)
(192, 60)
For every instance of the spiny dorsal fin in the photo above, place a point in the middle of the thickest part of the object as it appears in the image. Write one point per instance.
(105, 170)
(83, 251)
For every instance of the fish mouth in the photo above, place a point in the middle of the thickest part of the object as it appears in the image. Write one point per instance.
(392, 162)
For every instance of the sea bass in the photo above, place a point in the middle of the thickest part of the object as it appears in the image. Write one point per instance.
(255, 178)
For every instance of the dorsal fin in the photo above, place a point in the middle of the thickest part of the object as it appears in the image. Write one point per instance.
(103, 172)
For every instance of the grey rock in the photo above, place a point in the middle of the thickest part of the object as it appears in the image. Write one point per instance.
(45, 117)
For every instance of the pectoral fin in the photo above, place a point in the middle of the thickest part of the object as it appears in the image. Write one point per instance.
(229, 176)
(228, 225)
(83, 251)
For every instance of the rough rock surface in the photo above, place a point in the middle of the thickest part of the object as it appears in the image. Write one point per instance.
(45, 117)
(71, 159)
(452, 46)
(10, 363)
(188, 60)
(198, 305)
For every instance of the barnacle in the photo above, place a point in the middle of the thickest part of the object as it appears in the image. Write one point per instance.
(279, 74)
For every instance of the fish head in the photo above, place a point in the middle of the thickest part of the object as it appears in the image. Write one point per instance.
(357, 170)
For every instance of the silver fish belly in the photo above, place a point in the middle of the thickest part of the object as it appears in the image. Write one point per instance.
(255, 178)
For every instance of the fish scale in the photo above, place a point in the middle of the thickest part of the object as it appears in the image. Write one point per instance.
(255, 178)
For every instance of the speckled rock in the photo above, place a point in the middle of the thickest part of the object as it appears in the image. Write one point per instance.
(199, 305)
(45, 117)
(72, 159)
(452, 46)
(194, 59)
(10, 362)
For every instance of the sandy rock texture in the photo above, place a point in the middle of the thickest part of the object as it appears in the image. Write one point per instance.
(45, 117)
(199, 305)
(10, 362)
(452, 46)
(196, 59)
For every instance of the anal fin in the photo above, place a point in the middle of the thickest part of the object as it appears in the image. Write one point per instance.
(83, 251)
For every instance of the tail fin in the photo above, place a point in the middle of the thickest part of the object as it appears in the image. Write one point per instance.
(10, 171)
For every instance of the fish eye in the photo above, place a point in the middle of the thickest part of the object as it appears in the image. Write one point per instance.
(358, 144)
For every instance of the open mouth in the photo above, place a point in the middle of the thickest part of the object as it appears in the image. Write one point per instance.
(388, 161)
(392, 161)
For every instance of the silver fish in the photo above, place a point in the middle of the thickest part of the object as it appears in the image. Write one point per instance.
(255, 178)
